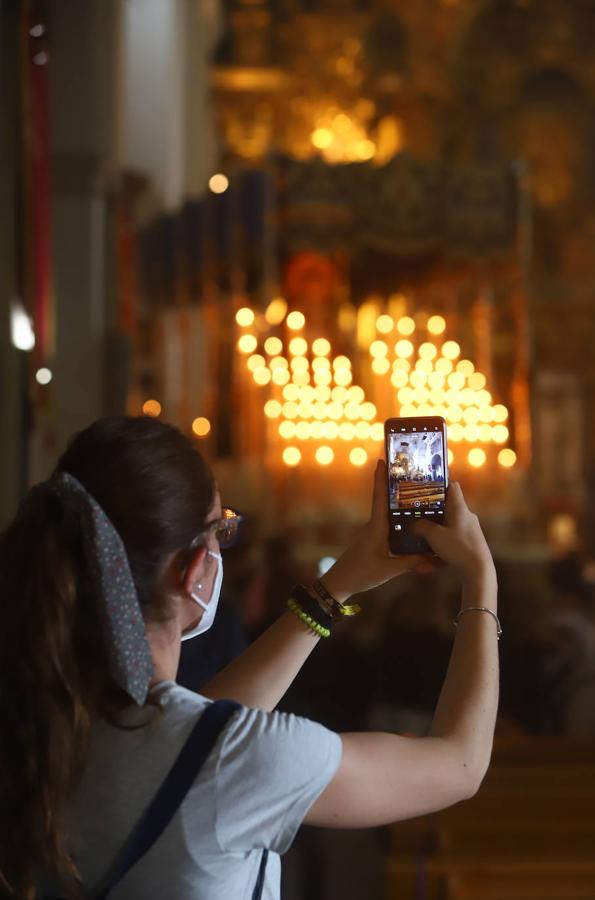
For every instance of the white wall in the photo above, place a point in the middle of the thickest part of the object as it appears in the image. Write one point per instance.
(166, 127)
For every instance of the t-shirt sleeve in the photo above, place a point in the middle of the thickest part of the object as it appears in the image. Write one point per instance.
(271, 769)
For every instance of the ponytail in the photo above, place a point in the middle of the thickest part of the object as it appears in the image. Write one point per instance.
(157, 491)
(48, 689)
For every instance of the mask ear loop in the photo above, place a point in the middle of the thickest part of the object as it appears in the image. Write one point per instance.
(200, 602)
(195, 597)
(197, 585)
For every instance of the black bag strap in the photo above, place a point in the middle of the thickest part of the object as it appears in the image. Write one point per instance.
(170, 795)
(258, 887)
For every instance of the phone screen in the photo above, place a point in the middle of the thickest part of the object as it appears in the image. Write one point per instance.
(416, 468)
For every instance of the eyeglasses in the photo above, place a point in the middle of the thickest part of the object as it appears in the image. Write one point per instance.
(226, 528)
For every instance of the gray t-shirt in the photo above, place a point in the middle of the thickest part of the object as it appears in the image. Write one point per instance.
(264, 774)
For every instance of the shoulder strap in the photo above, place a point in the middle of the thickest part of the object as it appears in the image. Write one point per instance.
(259, 886)
(170, 795)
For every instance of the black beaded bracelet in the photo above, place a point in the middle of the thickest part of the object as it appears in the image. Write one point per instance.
(311, 606)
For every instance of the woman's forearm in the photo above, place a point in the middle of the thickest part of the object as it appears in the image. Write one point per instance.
(466, 711)
(261, 675)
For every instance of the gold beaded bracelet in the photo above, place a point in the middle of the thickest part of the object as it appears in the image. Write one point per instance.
(331, 606)
(316, 627)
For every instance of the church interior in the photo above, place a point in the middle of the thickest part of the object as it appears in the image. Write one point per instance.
(415, 470)
(276, 224)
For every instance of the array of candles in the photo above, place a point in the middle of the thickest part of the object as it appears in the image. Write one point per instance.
(318, 409)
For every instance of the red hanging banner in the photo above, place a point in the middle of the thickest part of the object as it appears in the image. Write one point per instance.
(37, 156)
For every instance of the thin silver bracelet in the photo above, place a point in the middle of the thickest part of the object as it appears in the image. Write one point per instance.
(455, 621)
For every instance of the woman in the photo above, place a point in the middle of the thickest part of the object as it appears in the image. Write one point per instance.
(106, 568)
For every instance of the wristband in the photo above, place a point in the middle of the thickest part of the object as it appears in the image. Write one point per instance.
(312, 606)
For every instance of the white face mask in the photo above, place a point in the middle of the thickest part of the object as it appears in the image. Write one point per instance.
(210, 605)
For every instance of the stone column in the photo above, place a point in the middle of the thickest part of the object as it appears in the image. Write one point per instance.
(83, 53)
(13, 443)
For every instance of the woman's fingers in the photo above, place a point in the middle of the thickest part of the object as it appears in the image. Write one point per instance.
(433, 534)
(407, 562)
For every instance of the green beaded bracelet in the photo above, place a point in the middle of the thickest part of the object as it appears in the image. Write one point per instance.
(319, 629)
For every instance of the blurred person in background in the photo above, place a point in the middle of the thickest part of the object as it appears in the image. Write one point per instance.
(108, 566)
(548, 661)
(573, 660)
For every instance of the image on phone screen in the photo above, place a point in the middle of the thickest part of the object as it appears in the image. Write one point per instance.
(416, 472)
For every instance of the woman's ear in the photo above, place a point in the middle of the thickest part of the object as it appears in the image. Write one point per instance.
(194, 570)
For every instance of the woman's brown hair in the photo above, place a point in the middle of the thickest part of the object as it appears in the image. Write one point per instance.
(54, 674)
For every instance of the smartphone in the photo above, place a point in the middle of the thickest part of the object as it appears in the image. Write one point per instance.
(417, 472)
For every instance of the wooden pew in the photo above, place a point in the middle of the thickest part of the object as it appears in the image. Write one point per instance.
(528, 834)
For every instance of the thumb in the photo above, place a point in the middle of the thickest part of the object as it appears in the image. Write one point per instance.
(455, 501)
(423, 527)
(434, 534)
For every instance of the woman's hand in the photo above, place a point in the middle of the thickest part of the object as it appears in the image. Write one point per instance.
(459, 542)
(367, 563)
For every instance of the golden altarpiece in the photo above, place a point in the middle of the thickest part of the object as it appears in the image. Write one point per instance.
(402, 223)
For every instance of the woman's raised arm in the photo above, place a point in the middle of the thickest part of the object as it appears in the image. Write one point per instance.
(261, 675)
(384, 777)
